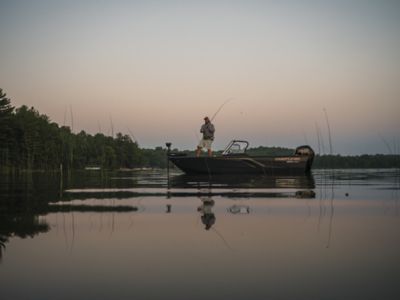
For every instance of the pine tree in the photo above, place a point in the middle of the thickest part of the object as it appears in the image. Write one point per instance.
(5, 106)
(6, 113)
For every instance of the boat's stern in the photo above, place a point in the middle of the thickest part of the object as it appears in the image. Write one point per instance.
(306, 151)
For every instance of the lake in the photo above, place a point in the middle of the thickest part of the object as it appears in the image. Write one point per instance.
(144, 235)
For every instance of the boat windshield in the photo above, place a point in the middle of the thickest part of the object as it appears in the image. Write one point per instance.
(236, 147)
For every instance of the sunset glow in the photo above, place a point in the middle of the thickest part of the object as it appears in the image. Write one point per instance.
(157, 68)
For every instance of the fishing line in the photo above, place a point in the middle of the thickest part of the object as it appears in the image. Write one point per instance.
(197, 136)
(222, 238)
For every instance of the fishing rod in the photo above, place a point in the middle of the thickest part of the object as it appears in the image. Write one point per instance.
(132, 136)
(219, 108)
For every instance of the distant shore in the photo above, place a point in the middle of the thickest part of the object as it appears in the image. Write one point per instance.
(31, 141)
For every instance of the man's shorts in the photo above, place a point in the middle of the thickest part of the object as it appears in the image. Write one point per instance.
(205, 144)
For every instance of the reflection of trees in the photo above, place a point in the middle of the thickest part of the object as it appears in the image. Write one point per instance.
(23, 226)
(3, 241)
(56, 208)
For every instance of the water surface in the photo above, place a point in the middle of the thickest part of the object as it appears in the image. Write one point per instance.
(123, 235)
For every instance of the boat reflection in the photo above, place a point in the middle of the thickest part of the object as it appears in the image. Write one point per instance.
(239, 209)
(245, 186)
(242, 181)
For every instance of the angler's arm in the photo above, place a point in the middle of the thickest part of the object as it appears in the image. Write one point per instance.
(211, 128)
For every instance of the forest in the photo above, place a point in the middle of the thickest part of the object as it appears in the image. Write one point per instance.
(31, 141)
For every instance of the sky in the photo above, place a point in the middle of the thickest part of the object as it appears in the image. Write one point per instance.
(154, 69)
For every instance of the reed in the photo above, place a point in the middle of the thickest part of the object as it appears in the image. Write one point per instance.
(389, 148)
(329, 132)
(111, 127)
(318, 139)
(72, 118)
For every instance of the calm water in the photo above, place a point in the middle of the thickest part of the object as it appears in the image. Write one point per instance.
(138, 235)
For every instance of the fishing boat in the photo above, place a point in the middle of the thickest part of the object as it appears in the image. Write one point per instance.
(235, 160)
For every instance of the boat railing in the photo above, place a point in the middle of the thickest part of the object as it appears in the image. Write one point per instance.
(236, 147)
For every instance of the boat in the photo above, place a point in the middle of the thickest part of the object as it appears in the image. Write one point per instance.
(235, 160)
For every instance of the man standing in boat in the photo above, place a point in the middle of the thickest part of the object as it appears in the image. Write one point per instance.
(207, 129)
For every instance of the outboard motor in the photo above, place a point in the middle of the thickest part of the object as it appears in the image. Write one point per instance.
(306, 150)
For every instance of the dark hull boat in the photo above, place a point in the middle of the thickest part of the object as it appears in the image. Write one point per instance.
(234, 160)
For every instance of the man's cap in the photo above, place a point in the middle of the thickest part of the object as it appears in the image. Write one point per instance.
(206, 118)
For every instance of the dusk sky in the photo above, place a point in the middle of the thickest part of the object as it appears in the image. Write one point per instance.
(158, 67)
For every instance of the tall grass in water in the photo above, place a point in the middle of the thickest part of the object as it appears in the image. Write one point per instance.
(329, 132)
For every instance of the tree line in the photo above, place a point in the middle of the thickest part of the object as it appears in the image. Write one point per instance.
(368, 161)
(31, 141)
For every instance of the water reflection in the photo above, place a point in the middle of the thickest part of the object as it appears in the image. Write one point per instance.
(336, 227)
(239, 209)
(27, 196)
(17, 225)
(243, 181)
(186, 186)
(62, 207)
(208, 218)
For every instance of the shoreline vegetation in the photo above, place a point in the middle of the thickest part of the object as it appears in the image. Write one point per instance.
(31, 141)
